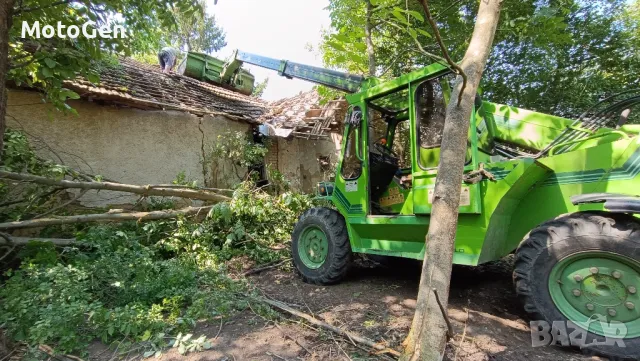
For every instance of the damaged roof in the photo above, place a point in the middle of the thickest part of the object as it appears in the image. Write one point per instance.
(145, 86)
(302, 116)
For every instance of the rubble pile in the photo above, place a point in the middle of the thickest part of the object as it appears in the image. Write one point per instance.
(302, 116)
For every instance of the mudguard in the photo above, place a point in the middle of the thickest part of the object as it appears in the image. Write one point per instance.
(613, 202)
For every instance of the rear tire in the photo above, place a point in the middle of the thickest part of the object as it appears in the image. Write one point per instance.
(579, 266)
(320, 246)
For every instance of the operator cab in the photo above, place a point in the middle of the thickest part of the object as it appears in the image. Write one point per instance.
(393, 147)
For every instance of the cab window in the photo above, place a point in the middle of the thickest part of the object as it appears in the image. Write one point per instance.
(351, 164)
(430, 115)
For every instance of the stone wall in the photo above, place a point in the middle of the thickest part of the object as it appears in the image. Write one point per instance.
(124, 144)
(303, 162)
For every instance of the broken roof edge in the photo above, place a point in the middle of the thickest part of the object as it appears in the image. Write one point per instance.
(302, 116)
(124, 99)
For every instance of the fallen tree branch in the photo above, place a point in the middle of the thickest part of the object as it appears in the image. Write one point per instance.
(21, 241)
(326, 326)
(52, 210)
(10, 242)
(179, 186)
(103, 217)
(52, 354)
(118, 187)
(264, 268)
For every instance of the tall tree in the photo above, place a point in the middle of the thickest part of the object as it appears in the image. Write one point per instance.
(571, 51)
(46, 62)
(6, 14)
(368, 27)
(197, 31)
(427, 337)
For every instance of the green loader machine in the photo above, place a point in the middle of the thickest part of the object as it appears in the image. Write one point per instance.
(559, 193)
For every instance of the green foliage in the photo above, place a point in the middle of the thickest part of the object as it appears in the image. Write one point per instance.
(565, 57)
(137, 281)
(140, 283)
(182, 180)
(552, 56)
(236, 148)
(125, 286)
(46, 63)
(260, 87)
(197, 31)
(18, 156)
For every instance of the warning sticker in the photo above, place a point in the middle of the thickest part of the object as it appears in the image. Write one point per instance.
(351, 186)
(396, 198)
(465, 196)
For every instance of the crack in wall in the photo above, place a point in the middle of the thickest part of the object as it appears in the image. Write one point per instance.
(204, 156)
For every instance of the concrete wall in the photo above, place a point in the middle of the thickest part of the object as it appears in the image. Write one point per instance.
(127, 145)
(298, 160)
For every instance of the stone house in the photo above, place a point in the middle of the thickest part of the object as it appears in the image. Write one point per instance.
(142, 126)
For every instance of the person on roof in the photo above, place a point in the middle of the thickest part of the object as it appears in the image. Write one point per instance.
(168, 57)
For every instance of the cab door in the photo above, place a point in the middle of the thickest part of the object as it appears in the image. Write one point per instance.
(351, 186)
(427, 113)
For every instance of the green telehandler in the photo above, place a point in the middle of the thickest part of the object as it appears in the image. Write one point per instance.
(559, 193)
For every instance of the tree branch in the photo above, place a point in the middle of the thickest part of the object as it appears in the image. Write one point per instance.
(447, 9)
(21, 241)
(314, 321)
(52, 210)
(103, 217)
(451, 63)
(422, 49)
(7, 240)
(58, 3)
(118, 187)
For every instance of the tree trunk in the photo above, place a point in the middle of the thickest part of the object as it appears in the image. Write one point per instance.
(6, 8)
(427, 337)
(367, 38)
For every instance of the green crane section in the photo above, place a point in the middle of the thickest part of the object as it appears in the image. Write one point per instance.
(346, 82)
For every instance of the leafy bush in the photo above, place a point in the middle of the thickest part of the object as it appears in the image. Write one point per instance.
(141, 282)
(119, 286)
(136, 282)
(253, 223)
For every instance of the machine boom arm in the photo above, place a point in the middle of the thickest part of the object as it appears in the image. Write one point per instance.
(349, 83)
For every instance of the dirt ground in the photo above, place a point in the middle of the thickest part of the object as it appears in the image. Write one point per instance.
(377, 302)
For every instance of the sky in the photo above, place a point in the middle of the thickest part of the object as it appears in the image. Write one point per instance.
(279, 29)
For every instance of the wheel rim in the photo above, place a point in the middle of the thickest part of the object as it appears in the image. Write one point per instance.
(590, 285)
(313, 247)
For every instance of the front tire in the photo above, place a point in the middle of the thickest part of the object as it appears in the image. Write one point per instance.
(580, 266)
(320, 246)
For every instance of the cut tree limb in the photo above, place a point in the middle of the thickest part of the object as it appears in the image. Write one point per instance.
(21, 241)
(149, 190)
(104, 217)
(266, 267)
(326, 326)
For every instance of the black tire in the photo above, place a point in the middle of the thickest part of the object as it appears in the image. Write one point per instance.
(563, 236)
(339, 256)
